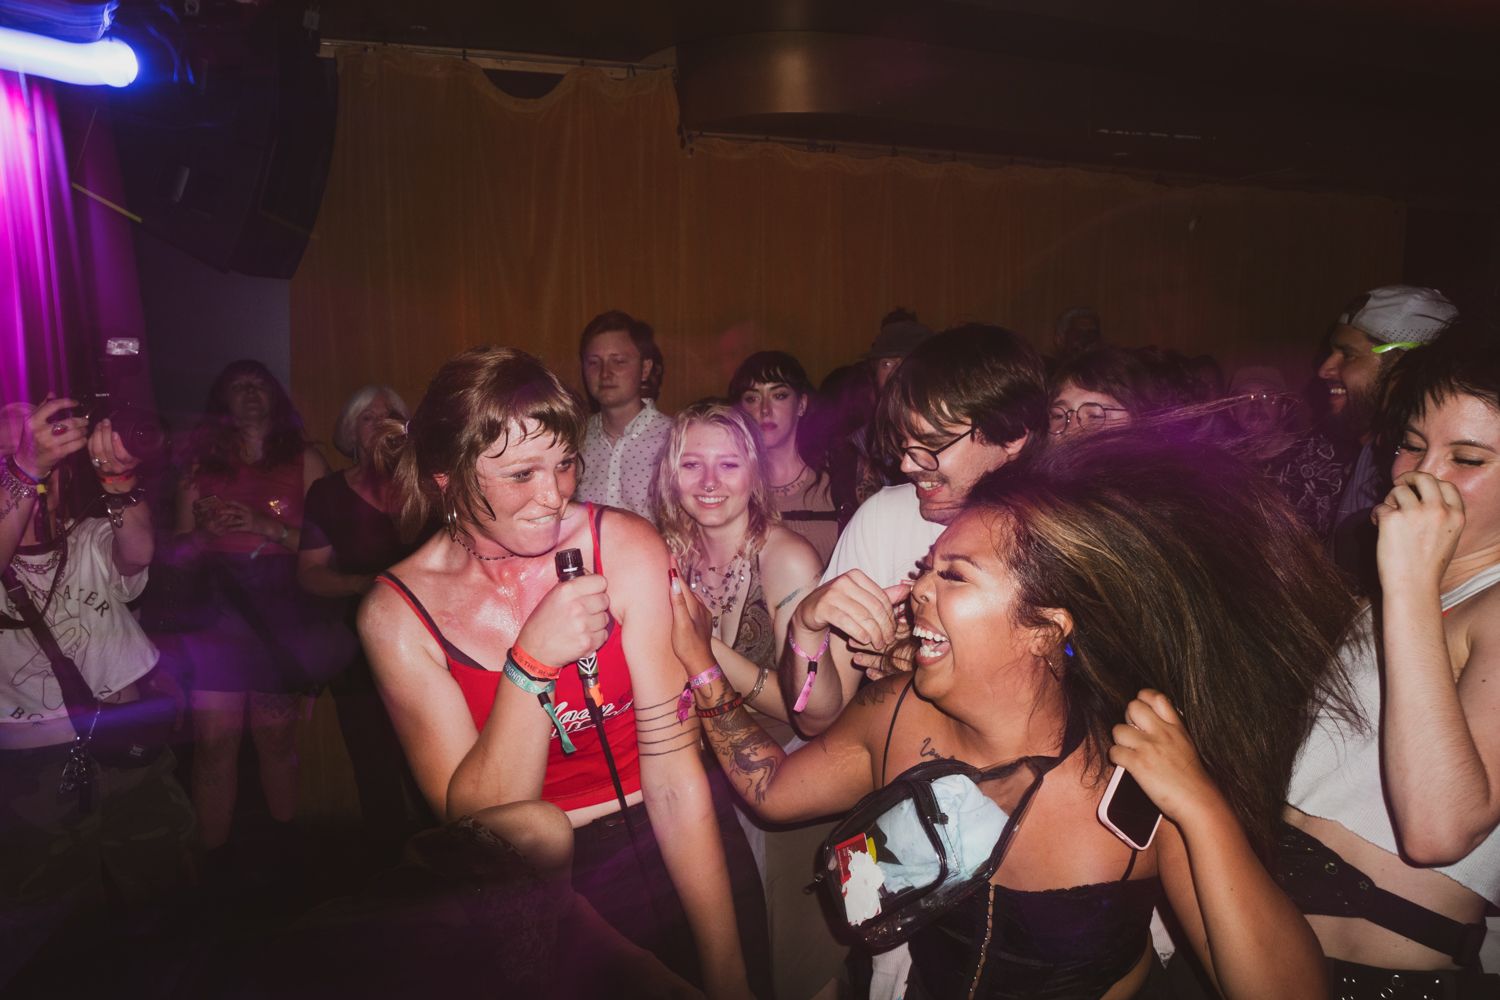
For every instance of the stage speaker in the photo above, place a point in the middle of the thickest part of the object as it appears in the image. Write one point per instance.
(224, 152)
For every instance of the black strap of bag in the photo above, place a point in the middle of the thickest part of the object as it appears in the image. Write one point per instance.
(81, 770)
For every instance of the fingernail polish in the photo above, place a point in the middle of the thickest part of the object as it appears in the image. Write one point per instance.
(676, 585)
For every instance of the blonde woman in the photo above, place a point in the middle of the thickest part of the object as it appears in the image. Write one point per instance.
(749, 571)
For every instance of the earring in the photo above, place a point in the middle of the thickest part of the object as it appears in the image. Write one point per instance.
(450, 517)
(1068, 649)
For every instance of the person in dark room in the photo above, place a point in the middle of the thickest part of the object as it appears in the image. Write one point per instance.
(622, 374)
(68, 846)
(715, 512)
(239, 515)
(1391, 848)
(774, 392)
(900, 334)
(349, 534)
(1124, 601)
(493, 451)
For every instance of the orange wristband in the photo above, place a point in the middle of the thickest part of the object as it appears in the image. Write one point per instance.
(536, 668)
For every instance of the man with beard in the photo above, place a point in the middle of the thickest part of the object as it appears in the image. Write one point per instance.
(962, 404)
(1368, 336)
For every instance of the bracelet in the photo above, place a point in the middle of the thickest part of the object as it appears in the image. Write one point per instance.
(685, 700)
(533, 667)
(543, 691)
(22, 474)
(724, 708)
(812, 667)
(809, 657)
(114, 479)
(760, 682)
(285, 533)
(115, 504)
(17, 489)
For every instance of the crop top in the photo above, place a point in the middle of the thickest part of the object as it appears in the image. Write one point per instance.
(579, 779)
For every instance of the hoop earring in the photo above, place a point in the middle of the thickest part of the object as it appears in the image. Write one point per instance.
(450, 517)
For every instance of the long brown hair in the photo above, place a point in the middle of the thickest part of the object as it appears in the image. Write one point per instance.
(1185, 571)
(477, 398)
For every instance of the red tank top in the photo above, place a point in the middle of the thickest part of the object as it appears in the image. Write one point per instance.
(579, 779)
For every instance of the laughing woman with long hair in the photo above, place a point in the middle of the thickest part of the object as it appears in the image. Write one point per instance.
(1123, 602)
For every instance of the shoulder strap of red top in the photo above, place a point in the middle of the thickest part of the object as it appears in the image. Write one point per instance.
(596, 518)
(392, 581)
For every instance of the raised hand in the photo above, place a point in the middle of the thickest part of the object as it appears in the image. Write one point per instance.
(692, 628)
(1154, 747)
(1419, 524)
(48, 436)
(572, 620)
(855, 606)
(108, 454)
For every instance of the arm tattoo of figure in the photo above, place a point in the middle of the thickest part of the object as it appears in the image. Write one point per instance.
(752, 756)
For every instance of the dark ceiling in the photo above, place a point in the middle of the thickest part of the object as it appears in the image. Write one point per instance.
(1363, 95)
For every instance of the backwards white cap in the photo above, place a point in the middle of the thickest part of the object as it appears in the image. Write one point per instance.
(1400, 314)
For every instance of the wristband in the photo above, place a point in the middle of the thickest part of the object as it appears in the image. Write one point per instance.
(533, 666)
(685, 700)
(809, 657)
(812, 667)
(543, 692)
(721, 709)
(22, 474)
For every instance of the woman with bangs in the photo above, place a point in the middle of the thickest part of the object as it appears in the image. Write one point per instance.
(472, 640)
(1123, 602)
(749, 571)
(773, 391)
(1391, 847)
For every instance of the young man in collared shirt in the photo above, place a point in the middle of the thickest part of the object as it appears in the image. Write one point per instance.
(622, 372)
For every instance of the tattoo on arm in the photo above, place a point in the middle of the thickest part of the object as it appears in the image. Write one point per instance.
(752, 756)
(684, 740)
(786, 600)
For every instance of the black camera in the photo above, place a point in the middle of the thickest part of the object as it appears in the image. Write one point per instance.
(140, 430)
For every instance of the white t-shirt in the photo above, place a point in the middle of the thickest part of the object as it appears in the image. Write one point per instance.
(89, 619)
(885, 538)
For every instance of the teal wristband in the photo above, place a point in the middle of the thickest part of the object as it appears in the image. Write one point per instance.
(543, 691)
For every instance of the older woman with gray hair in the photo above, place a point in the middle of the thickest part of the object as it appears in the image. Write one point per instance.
(349, 535)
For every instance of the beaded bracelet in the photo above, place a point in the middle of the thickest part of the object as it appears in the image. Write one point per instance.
(721, 709)
(812, 668)
(685, 700)
(543, 691)
(533, 666)
(13, 485)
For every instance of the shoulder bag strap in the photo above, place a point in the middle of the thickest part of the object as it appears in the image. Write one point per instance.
(77, 695)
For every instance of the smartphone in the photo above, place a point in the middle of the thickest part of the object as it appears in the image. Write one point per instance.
(1128, 812)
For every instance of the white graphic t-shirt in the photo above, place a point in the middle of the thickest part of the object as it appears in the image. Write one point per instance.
(89, 620)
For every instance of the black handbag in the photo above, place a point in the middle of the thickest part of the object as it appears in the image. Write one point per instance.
(128, 734)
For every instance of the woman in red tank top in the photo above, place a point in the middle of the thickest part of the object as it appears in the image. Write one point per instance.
(464, 632)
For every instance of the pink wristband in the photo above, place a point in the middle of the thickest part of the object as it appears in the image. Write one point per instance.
(685, 700)
(809, 657)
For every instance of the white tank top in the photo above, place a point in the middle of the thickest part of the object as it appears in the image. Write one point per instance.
(1337, 775)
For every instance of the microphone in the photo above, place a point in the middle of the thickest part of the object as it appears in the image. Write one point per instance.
(569, 564)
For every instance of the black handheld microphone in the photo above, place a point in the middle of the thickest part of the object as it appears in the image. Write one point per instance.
(570, 566)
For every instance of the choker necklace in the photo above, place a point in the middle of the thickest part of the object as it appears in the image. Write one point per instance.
(788, 487)
(458, 536)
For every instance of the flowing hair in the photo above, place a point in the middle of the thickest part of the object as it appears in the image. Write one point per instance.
(1184, 571)
(683, 535)
(215, 442)
(480, 397)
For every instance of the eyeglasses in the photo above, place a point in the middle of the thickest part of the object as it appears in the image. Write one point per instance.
(1088, 415)
(927, 458)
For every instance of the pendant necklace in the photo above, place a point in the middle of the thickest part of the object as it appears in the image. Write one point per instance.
(721, 595)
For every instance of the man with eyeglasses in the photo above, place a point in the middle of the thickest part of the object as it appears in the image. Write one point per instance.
(963, 404)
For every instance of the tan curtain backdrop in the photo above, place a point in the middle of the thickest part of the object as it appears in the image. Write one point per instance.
(457, 215)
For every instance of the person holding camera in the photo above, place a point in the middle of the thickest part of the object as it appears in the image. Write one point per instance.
(75, 541)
